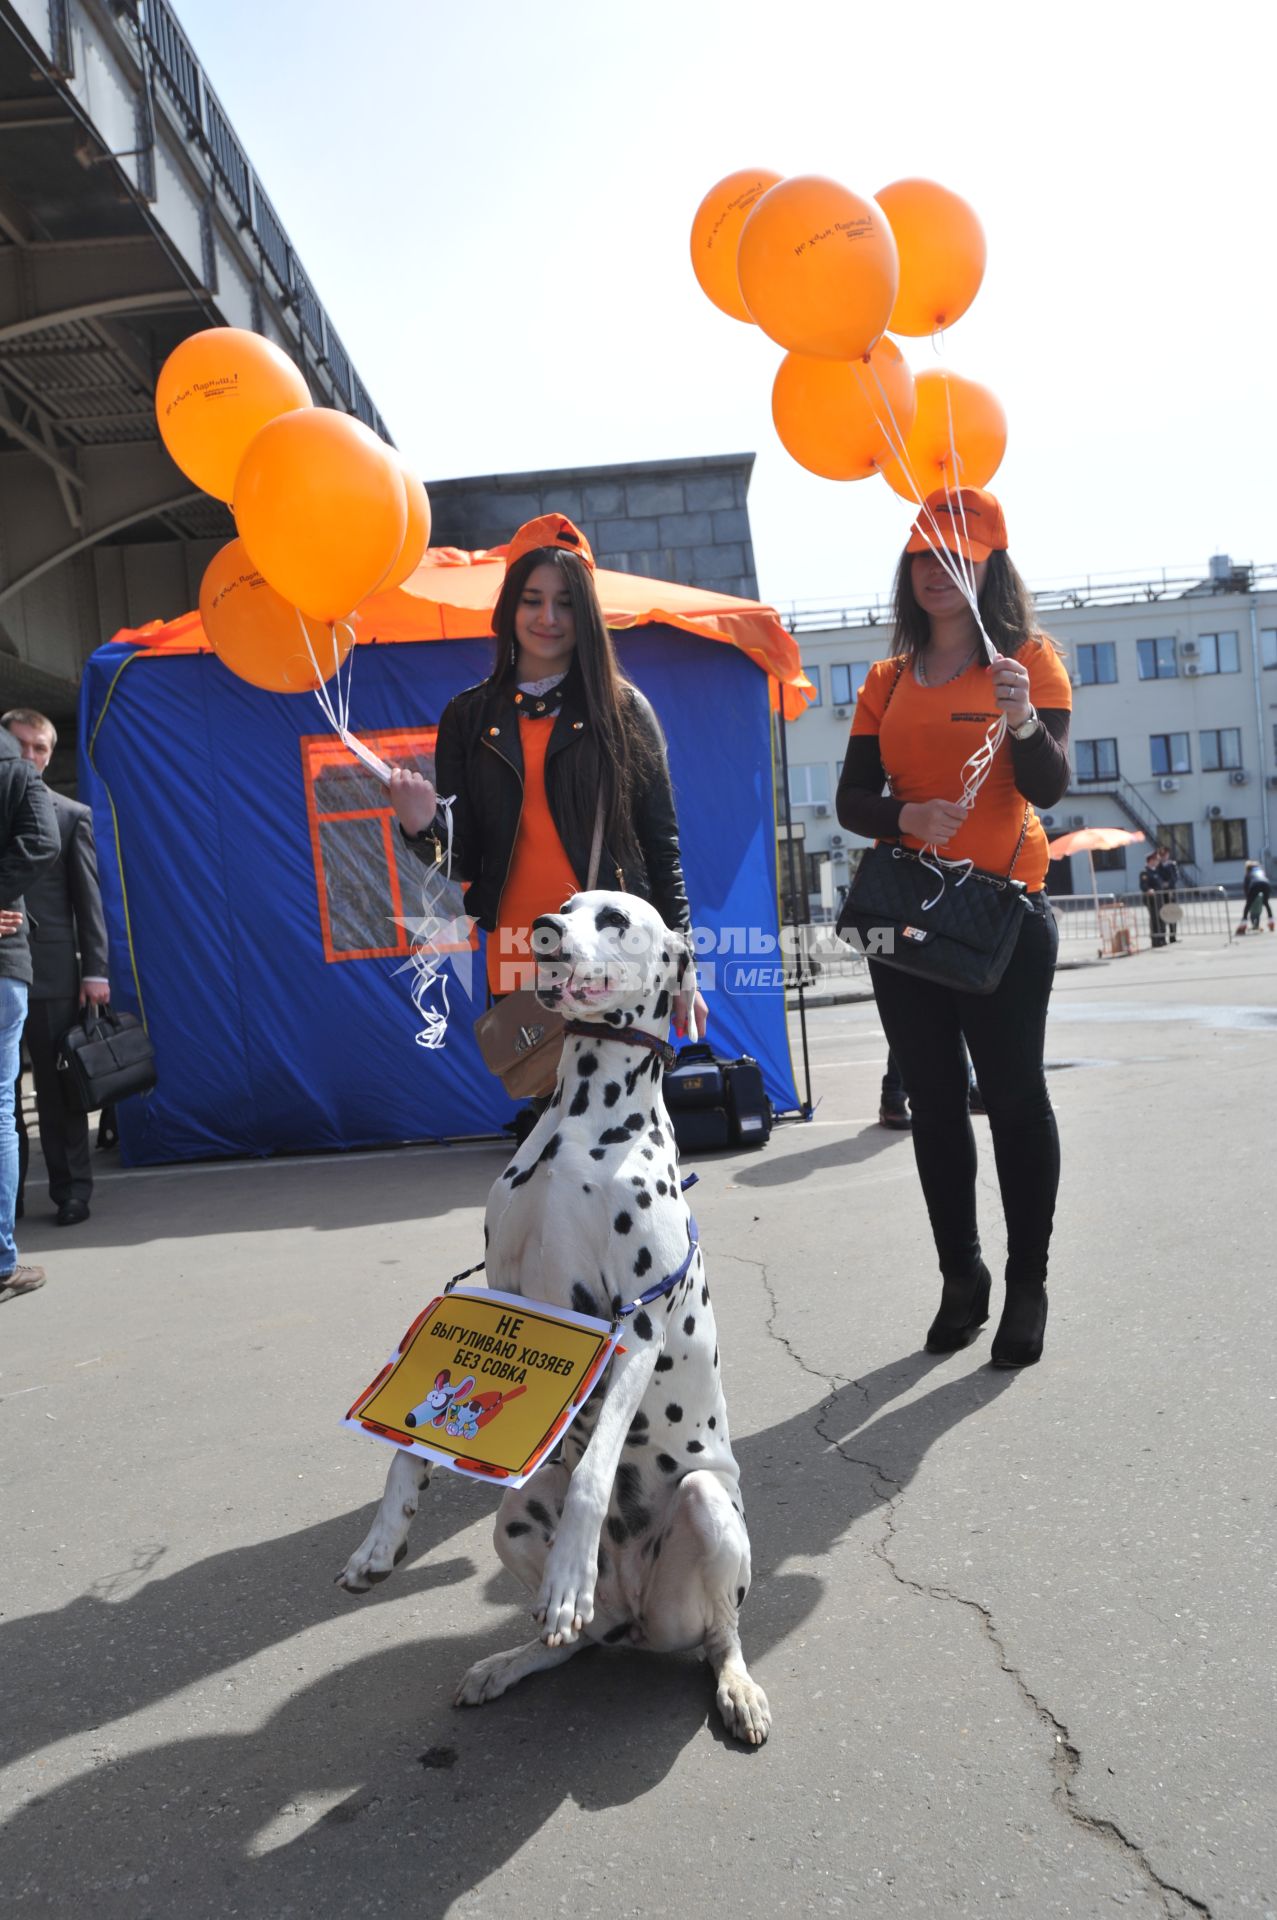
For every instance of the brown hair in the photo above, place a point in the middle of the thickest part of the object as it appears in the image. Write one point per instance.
(614, 756)
(1006, 608)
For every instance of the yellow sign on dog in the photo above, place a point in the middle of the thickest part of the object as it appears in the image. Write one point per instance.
(486, 1383)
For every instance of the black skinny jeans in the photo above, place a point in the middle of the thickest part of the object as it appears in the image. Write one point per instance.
(1005, 1032)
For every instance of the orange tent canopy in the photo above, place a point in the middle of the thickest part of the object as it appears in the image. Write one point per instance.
(452, 593)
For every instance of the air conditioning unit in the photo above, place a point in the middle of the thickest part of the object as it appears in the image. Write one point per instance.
(1191, 669)
(821, 810)
(836, 840)
(1239, 776)
(1167, 785)
(841, 713)
(1189, 649)
(1076, 820)
(1214, 813)
(1047, 819)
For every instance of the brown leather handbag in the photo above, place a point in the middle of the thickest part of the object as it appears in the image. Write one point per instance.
(520, 1040)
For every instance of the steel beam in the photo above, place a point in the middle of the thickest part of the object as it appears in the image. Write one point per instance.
(150, 510)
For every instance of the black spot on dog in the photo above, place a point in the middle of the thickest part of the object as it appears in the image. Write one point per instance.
(655, 1067)
(705, 1296)
(588, 1063)
(656, 1137)
(538, 1513)
(614, 1019)
(673, 1413)
(661, 1185)
(557, 1097)
(550, 1148)
(634, 1123)
(611, 1093)
(521, 1179)
(515, 1527)
(665, 1362)
(617, 1530)
(716, 1356)
(639, 1424)
(644, 1261)
(712, 1422)
(694, 1446)
(642, 1327)
(643, 1199)
(740, 1596)
(583, 1300)
(646, 1152)
(637, 1180)
(581, 1098)
(614, 1136)
(672, 1176)
(622, 1223)
(665, 956)
(637, 1439)
(509, 1173)
(586, 1187)
(597, 1153)
(611, 917)
(662, 1006)
(614, 1634)
(689, 1325)
(665, 1463)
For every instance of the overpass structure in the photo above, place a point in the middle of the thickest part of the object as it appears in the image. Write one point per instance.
(130, 216)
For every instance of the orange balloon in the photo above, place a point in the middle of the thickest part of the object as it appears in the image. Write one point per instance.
(969, 458)
(818, 268)
(215, 392)
(942, 254)
(321, 507)
(417, 537)
(716, 235)
(843, 420)
(257, 634)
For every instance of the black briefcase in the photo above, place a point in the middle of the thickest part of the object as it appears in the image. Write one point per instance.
(695, 1080)
(748, 1108)
(105, 1059)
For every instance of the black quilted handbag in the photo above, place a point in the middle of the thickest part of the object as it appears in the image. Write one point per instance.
(962, 936)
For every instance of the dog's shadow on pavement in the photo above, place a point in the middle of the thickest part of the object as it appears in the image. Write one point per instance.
(367, 1778)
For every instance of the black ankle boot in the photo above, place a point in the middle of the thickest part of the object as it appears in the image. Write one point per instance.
(1018, 1340)
(964, 1308)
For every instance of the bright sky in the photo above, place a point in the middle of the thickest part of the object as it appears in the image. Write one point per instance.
(494, 201)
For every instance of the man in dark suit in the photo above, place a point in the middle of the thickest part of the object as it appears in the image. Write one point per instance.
(67, 931)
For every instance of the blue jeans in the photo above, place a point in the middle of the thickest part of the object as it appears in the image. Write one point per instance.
(13, 1014)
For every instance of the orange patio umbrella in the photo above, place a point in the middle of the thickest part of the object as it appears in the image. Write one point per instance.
(452, 593)
(1089, 840)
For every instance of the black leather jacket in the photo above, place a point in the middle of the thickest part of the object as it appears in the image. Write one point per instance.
(478, 758)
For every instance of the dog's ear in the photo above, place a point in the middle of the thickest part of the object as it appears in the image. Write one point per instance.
(686, 983)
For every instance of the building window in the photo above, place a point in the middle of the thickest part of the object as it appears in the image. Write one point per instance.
(1095, 760)
(1097, 663)
(1109, 859)
(809, 785)
(1156, 659)
(1268, 646)
(1217, 653)
(1221, 747)
(1228, 839)
(845, 683)
(1178, 841)
(813, 674)
(1169, 753)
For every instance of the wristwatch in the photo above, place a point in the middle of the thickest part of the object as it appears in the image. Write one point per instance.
(1027, 728)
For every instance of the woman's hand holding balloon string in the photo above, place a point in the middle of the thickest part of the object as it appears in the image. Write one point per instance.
(1011, 689)
(934, 822)
(413, 798)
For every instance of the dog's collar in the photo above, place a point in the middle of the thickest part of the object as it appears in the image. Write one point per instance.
(631, 1038)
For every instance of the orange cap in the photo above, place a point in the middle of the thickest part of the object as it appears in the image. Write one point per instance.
(969, 522)
(551, 530)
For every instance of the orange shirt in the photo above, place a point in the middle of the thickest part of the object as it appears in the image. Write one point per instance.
(540, 877)
(927, 733)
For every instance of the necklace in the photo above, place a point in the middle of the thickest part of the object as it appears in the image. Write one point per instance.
(921, 672)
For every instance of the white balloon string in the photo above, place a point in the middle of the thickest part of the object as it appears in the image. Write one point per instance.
(426, 959)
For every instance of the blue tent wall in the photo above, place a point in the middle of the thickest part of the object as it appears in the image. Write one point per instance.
(209, 883)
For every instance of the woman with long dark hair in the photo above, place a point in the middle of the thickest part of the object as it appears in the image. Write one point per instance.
(921, 716)
(553, 751)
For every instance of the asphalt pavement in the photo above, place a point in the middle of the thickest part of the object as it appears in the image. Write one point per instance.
(1016, 1629)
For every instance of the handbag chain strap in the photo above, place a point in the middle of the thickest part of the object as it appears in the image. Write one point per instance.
(1024, 824)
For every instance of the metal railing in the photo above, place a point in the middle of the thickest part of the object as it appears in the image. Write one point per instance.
(177, 66)
(1093, 590)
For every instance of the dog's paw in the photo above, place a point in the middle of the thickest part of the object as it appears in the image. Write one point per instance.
(371, 1563)
(743, 1705)
(565, 1604)
(488, 1679)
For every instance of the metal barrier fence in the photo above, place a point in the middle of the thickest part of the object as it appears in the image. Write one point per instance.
(1118, 925)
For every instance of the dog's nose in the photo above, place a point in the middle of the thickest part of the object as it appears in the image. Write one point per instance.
(547, 936)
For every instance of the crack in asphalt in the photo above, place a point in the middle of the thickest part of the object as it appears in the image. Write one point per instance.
(1066, 1756)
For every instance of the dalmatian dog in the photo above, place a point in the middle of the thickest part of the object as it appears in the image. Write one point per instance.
(635, 1533)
